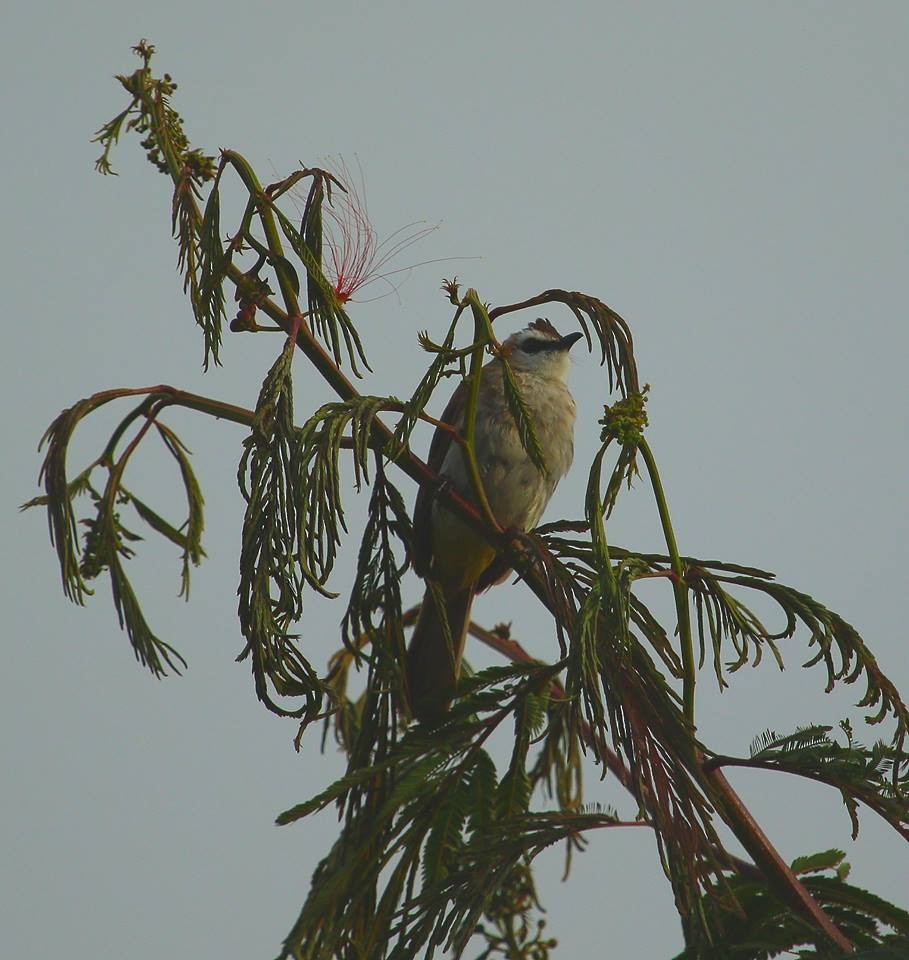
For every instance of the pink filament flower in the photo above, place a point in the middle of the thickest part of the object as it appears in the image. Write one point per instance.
(355, 256)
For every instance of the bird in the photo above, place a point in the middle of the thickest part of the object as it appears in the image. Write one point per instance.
(449, 553)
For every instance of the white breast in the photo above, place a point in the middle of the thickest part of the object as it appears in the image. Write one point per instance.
(517, 491)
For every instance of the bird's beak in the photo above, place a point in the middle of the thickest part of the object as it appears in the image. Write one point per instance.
(566, 343)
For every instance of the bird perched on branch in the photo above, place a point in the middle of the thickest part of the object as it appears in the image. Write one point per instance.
(448, 552)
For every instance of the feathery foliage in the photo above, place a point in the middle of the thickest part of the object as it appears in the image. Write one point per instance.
(437, 839)
(762, 929)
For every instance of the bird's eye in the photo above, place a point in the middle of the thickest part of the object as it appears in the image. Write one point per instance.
(532, 345)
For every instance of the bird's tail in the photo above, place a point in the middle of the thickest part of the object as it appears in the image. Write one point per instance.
(433, 666)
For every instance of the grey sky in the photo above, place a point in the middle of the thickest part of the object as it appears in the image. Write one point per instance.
(730, 177)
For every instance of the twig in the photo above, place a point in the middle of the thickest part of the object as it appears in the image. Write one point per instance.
(765, 855)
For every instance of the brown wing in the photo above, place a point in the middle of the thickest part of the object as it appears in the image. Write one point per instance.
(438, 450)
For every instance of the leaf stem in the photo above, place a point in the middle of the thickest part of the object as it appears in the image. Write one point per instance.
(267, 218)
(679, 587)
(765, 855)
(482, 333)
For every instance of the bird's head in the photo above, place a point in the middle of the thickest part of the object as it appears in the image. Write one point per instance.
(540, 349)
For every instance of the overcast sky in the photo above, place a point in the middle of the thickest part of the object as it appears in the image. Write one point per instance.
(731, 177)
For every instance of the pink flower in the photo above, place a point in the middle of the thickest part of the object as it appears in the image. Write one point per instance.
(354, 256)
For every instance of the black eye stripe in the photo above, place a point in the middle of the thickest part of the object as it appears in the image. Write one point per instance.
(535, 346)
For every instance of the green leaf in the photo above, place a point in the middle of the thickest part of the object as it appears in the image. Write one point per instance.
(329, 795)
(279, 547)
(816, 862)
(445, 832)
(326, 315)
(523, 418)
(483, 791)
(213, 265)
(158, 523)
